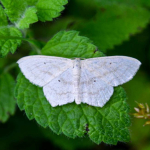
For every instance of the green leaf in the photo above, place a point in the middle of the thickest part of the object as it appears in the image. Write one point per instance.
(9, 39)
(64, 143)
(2, 64)
(23, 12)
(49, 9)
(71, 45)
(9, 35)
(3, 17)
(114, 24)
(14, 9)
(31, 2)
(7, 101)
(108, 124)
(20, 12)
(104, 3)
(28, 18)
(18, 129)
(125, 2)
(142, 95)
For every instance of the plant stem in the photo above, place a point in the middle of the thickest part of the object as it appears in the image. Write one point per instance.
(13, 65)
(37, 45)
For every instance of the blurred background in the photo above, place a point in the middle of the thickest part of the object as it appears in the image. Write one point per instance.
(116, 28)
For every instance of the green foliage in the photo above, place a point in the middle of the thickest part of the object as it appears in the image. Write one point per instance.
(49, 9)
(2, 64)
(3, 17)
(70, 44)
(113, 24)
(20, 9)
(106, 23)
(142, 95)
(14, 9)
(18, 129)
(66, 143)
(7, 101)
(22, 13)
(138, 88)
(28, 17)
(110, 24)
(72, 120)
(9, 40)
(104, 3)
(125, 2)
(8, 35)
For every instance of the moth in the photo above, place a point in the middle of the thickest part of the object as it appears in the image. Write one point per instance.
(88, 81)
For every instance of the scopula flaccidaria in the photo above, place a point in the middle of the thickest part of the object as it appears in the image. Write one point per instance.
(88, 81)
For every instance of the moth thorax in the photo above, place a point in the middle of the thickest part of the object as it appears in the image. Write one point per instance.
(76, 79)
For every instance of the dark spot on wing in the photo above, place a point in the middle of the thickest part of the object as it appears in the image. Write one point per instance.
(58, 80)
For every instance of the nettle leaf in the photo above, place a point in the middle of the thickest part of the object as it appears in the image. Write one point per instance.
(28, 17)
(25, 12)
(20, 13)
(14, 9)
(9, 35)
(108, 124)
(113, 24)
(3, 17)
(7, 101)
(105, 3)
(124, 2)
(64, 143)
(9, 39)
(49, 9)
(71, 45)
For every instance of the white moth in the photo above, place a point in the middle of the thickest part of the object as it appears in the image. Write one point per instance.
(88, 81)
